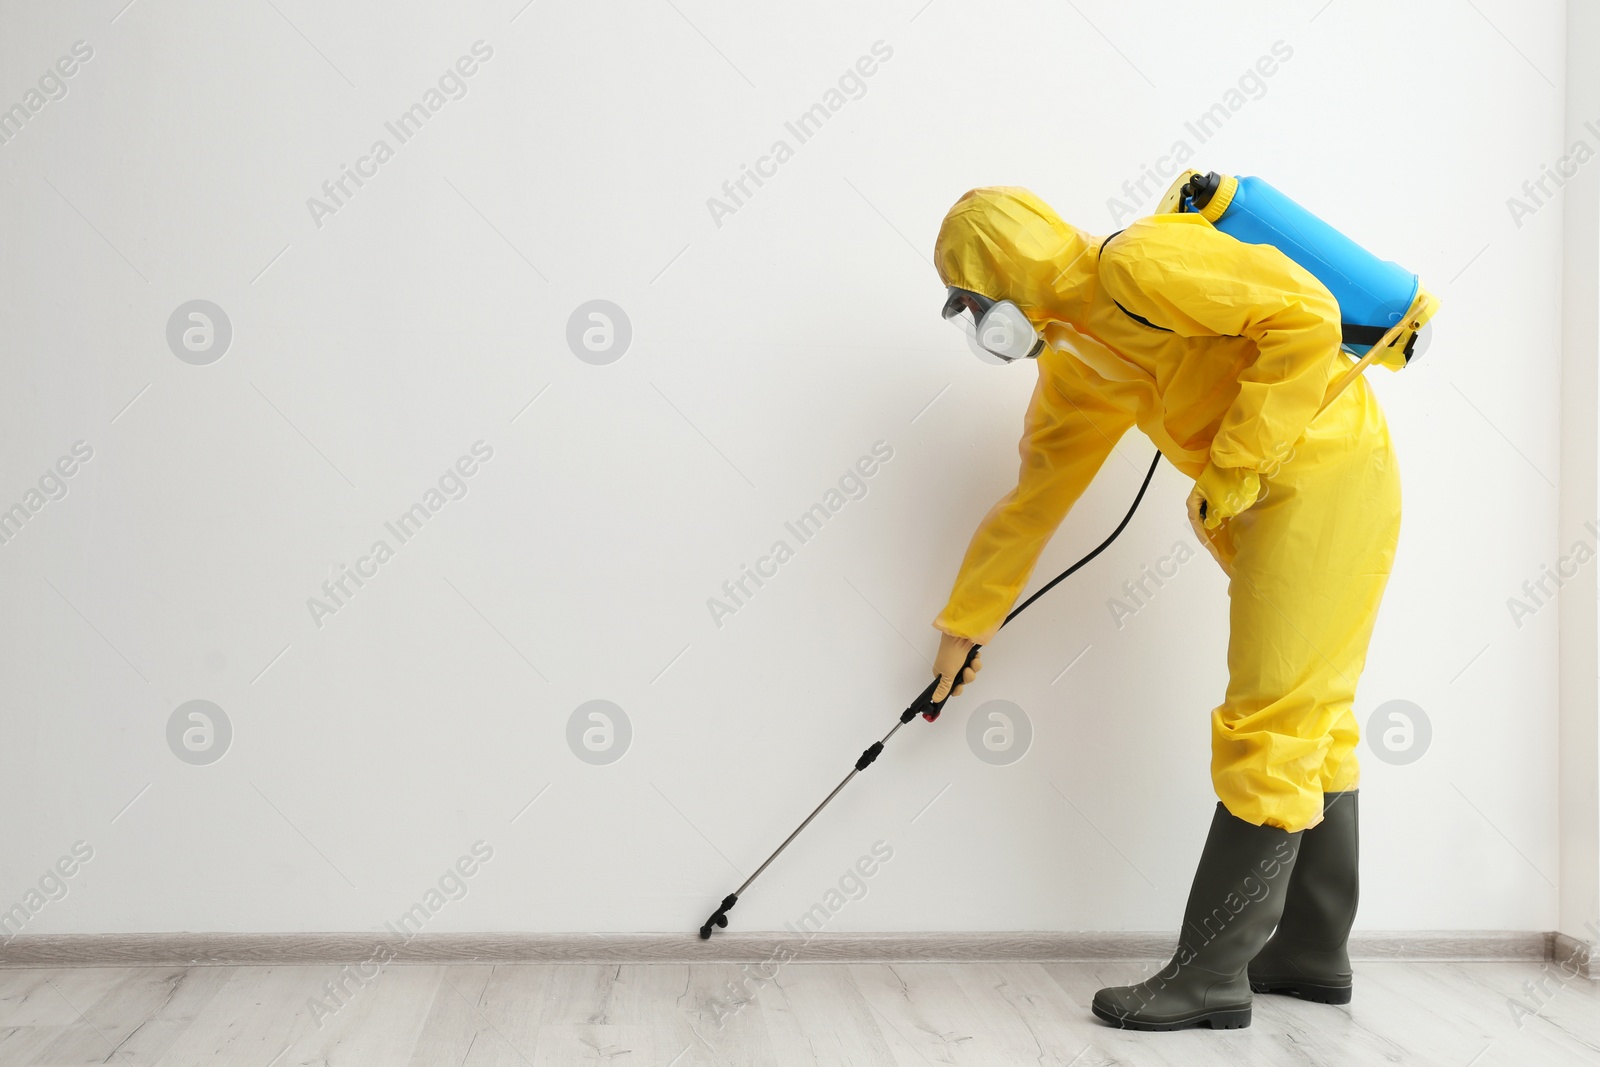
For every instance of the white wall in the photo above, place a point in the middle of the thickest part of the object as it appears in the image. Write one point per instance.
(768, 354)
(1579, 769)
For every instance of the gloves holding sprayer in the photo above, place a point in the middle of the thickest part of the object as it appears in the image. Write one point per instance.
(1222, 493)
(952, 654)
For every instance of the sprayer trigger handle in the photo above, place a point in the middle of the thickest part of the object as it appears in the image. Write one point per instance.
(925, 704)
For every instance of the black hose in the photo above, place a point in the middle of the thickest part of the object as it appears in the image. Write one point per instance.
(1123, 525)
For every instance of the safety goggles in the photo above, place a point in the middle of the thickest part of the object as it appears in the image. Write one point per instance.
(996, 327)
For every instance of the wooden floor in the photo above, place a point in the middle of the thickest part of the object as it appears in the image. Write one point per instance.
(1456, 1014)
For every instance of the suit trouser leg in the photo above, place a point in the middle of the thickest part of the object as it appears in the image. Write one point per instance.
(1309, 564)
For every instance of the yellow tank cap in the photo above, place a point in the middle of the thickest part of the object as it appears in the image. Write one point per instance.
(1220, 199)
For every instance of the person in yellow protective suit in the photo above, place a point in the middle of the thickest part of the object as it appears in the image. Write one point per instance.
(1222, 353)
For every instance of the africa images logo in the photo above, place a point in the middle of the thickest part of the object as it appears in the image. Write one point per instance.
(452, 85)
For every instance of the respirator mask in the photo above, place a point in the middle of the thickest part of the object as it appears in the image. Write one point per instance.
(998, 329)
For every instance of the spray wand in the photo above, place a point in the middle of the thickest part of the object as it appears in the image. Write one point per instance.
(925, 706)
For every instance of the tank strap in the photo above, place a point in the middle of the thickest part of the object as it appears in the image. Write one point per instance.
(1362, 335)
(1136, 318)
(1371, 335)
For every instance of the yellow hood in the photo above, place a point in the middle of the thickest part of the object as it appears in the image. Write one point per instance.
(1007, 244)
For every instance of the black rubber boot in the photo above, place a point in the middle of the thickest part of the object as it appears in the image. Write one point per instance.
(1237, 897)
(1309, 955)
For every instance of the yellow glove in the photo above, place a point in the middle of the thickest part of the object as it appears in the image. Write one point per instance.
(1220, 493)
(952, 654)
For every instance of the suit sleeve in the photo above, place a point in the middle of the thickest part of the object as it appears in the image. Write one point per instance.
(1199, 282)
(1070, 428)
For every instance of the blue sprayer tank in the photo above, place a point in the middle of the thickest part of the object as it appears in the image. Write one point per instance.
(1373, 294)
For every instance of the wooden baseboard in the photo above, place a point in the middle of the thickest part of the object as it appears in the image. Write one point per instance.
(185, 949)
(1573, 956)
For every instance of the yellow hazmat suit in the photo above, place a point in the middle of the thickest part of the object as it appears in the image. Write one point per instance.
(1221, 352)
